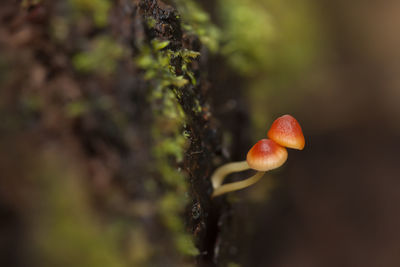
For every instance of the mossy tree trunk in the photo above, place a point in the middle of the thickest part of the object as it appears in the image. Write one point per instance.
(108, 135)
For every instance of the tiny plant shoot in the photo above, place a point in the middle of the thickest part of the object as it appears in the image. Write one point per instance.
(265, 155)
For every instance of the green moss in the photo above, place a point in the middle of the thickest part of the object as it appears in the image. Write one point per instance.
(161, 65)
(151, 22)
(169, 147)
(185, 245)
(197, 107)
(169, 144)
(168, 151)
(187, 56)
(102, 56)
(157, 63)
(197, 22)
(172, 205)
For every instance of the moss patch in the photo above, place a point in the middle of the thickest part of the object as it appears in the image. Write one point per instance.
(101, 57)
(197, 22)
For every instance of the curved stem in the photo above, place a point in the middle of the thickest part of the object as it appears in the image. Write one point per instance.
(219, 174)
(226, 188)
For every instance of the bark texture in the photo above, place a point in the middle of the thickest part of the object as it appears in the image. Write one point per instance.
(81, 183)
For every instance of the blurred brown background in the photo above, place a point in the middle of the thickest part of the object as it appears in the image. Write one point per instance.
(337, 202)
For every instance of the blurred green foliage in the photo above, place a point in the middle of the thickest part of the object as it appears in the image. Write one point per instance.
(196, 21)
(77, 108)
(271, 43)
(248, 34)
(96, 9)
(265, 35)
(67, 232)
(101, 57)
(168, 151)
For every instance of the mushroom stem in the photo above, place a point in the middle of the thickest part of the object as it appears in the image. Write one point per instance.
(219, 174)
(226, 188)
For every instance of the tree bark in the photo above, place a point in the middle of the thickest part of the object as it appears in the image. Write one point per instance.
(77, 136)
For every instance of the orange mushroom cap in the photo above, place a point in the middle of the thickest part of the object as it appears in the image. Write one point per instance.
(287, 132)
(266, 155)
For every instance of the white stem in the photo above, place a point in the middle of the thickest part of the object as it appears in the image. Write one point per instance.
(219, 174)
(226, 188)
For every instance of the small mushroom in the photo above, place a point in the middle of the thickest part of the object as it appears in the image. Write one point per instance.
(265, 155)
(287, 132)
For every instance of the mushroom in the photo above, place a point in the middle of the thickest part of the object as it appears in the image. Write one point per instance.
(265, 155)
(286, 131)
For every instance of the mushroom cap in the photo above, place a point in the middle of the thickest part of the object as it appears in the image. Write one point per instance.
(266, 155)
(286, 131)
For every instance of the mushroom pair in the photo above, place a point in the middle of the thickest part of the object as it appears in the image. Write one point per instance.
(265, 155)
